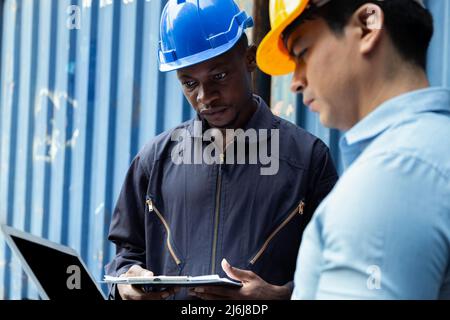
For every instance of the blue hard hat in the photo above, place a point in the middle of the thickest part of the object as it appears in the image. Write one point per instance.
(193, 31)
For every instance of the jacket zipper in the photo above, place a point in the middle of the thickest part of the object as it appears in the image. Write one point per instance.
(298, 210)
(152, 208)
(217, 215)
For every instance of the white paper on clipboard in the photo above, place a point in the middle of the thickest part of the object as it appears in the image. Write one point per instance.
(182, 281)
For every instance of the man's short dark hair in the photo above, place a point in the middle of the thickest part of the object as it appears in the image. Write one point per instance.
(409, 25)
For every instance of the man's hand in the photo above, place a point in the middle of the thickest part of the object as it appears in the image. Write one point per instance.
(254, 288)
(130, 292)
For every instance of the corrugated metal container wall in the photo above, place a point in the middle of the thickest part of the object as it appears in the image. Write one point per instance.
(80, 93)
(439, 54)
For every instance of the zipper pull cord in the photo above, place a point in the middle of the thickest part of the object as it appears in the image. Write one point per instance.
(150, 205)
(301, 208)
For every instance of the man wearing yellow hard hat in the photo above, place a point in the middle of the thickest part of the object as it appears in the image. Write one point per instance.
(384, 231)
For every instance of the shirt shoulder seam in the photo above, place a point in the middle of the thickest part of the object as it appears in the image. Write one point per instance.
(443, 174)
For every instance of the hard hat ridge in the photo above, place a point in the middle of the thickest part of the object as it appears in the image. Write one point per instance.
(193, 31)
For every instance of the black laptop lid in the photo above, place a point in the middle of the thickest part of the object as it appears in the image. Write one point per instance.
(60, 274)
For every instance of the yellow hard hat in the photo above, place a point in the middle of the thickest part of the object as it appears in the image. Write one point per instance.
(272, 56)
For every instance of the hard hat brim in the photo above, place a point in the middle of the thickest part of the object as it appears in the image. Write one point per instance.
(200, 57)
(272, 56)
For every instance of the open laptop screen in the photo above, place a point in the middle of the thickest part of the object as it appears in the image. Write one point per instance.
(60, 274)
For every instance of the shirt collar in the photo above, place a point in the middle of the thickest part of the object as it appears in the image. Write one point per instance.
(389, 114)
(396, 110)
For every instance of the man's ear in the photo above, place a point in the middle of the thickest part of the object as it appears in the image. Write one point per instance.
(369, 19)
(250, 58)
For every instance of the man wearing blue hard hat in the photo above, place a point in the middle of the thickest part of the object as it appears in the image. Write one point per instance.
(226, 217)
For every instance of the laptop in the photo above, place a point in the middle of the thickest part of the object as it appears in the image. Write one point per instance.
(58, 271)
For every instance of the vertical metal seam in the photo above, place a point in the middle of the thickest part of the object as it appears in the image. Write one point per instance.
(2, 3)
(137, 79)
(68, 152)
(445, 73)
(31, 122)
(50, 113)
(13, 141)
(31, 119)
(90, 115)
(109, 181)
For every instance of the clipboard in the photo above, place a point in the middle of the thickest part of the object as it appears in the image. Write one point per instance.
(174, 281)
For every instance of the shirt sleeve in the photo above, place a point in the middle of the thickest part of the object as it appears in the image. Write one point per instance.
(382, 234)
(127, 230)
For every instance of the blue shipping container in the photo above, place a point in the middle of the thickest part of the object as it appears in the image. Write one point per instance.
(80, 93)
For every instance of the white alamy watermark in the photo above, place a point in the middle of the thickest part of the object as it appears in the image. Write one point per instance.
(374, 280)
(74, 12)
(255, 147)
(74, 279)
(74, 17)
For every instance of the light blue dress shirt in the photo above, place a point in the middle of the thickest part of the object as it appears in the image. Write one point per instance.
(384, 231)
